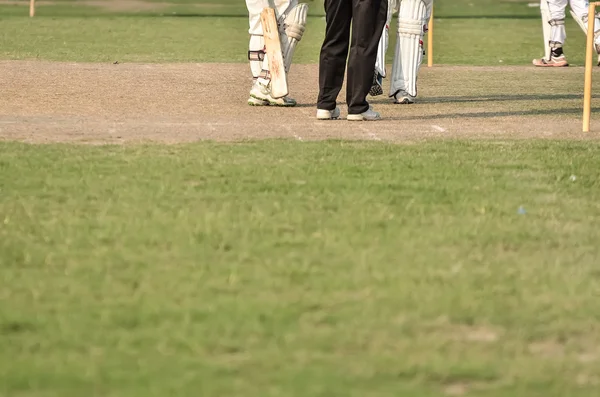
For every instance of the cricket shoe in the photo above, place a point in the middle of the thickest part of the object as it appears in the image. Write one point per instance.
(403, 98)
(323, 114)
(377, 85)
(369, 115)
(260, 95)
(554, 61)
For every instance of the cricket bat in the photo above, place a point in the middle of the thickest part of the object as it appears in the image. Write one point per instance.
(279, 87)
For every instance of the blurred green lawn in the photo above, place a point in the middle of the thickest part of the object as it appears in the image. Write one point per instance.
(294, 269)
(489, 33)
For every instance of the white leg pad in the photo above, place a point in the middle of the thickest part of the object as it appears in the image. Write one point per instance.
(292, 25)
(582, 21)
(412, 19)
(382, 49)
(579, 12)
(259, 63)
(385, 38)
(429, 4)
(260, 69)
(557, 13)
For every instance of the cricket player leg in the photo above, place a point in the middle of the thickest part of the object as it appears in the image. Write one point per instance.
(558, 34)
(380, 72)
(412, 23)
(292, 24)
(579, 12)
(260, 93)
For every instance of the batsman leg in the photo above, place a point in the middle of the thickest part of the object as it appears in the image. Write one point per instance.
(553, 14)
(380, 73)
(579, 12)
(412, 22)
(260, 94)
(292, 24)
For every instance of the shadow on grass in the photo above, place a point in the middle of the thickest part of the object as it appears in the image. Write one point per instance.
(202, 15)
(384, 100)
(500, 98)
(489, 115)
(45, 12)
(488, 98)
(488, 17)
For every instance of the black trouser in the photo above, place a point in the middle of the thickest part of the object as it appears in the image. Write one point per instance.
(368, 19)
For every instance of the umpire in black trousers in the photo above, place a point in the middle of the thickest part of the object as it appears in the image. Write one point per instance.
(363, 20)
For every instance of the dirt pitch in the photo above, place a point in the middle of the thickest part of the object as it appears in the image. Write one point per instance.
(43, 102)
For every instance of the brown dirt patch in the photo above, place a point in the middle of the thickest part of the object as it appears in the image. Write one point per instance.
(171, 103)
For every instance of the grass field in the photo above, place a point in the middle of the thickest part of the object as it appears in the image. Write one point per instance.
(489, 33)
(347, 269)
(289, 267)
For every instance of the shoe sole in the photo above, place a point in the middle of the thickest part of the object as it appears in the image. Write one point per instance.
(328, 118)
(327, 115)
(266, 102)
(361, 118)
(547, 65)
(253, 103)
(550, 65)
(404, 101)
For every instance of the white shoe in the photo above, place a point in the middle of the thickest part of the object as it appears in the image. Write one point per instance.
(260, 95)
(257, 102)
(369, 115)
(403, 98)
(323, 114)
(554, 62)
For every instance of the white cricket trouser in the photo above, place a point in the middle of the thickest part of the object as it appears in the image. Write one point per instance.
(412, 16)
(255, 7)
(259, 64)
(558, 12)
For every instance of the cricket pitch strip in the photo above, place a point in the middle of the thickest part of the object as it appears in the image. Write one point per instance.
(46, 102)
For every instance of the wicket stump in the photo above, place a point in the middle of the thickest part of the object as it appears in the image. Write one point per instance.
(430, 41)
(589, 66)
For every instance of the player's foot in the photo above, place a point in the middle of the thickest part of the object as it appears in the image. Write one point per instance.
(323, 114)
(554, 61)
(403, 98)
(284, 102)
(369, 115)
(376, 87)
(257, 102)
(260, 95)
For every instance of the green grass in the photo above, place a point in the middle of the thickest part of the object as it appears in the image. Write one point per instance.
(279, 268)
(300, 269)
(491, 33)
(444, 9)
